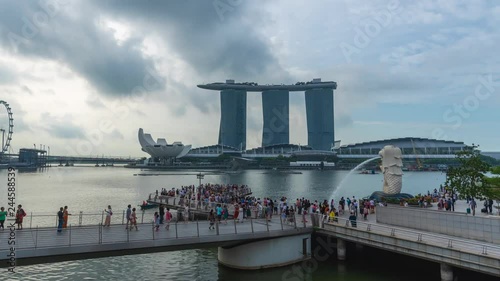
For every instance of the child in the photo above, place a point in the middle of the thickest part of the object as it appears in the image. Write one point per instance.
(332, 216)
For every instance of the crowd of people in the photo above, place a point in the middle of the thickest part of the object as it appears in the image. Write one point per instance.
(231, 201)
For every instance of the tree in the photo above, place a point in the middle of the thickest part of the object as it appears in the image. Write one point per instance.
(493, 184)
(468, 178)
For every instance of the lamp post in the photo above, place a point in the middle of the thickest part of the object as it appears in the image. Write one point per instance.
(200, 176)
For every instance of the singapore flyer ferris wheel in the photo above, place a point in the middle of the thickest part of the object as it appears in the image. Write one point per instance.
(6, 128)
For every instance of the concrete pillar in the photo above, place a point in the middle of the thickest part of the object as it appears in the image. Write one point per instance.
(285, 251)
(341, 249)
(446, 272)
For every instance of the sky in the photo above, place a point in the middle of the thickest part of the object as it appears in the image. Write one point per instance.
(82, 77)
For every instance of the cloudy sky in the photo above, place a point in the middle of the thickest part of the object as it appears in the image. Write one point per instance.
(83, 76)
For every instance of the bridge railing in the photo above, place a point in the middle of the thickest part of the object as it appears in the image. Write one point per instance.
(443, 241)
(46, 237)
(82, 218)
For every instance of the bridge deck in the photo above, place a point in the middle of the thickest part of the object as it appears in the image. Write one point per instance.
(95, 239)
(466, 253)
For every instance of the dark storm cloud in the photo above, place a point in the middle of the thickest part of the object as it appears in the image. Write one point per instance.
(227, 45)
(76, 41)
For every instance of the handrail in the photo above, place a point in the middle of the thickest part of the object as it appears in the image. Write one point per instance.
(36, 232)
(420, 236)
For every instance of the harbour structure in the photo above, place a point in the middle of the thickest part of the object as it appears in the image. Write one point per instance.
(275, 104)
(411, 147)
(160, 150)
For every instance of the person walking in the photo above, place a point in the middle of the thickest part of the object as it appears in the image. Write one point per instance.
(20, 214)
(225, 214)
(473, 206)
(236, 211)
(352, 219)
(66, 215)
(168, 218)
(490, 206)
(128, 216)
(162, 213)
(211, 218)
(109, 213)
(60, 215)
(186, 214)
(3, 216)
(133, 220)
(156, 220)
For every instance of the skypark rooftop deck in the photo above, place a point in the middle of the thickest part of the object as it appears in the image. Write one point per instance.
(254, 87)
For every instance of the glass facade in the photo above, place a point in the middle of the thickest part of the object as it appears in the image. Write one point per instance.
(275, 108)
(233, 121)
(319, 111)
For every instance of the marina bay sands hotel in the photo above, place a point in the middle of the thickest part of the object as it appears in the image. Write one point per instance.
(275, 105)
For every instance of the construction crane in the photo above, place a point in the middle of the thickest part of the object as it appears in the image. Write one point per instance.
(419, 164)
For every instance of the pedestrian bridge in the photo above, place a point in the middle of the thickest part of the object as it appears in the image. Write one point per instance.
(41, 245)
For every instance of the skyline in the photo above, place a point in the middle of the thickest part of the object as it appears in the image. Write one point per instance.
(83, 76)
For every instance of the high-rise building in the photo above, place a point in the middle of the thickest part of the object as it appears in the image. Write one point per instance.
(233, 120)
(275, 103)
(319, 111)
(275, 108)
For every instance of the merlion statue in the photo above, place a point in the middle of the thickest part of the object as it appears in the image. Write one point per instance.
(391, 167)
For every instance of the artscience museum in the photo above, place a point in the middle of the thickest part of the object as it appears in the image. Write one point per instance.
(160, 150)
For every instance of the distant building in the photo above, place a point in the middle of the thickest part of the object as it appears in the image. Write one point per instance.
(160, 150)
(233, 121)
(411, 148)
(275, 103)
(319, 110)
(275, 108)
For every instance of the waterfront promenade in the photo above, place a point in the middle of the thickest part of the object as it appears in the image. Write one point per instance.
(39, 245)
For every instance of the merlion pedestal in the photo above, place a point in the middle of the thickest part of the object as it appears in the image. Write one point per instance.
(392, 169)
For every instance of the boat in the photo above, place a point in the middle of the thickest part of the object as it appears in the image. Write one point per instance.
(148, 206)
(368, 172)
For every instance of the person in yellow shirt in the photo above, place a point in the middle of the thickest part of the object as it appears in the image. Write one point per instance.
(332, 216)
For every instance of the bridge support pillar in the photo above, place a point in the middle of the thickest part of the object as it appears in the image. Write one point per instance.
(446, 272)
(272, 252)
(341, 249)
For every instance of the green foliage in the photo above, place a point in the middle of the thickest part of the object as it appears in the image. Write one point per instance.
(468, 177)
(493, 184)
